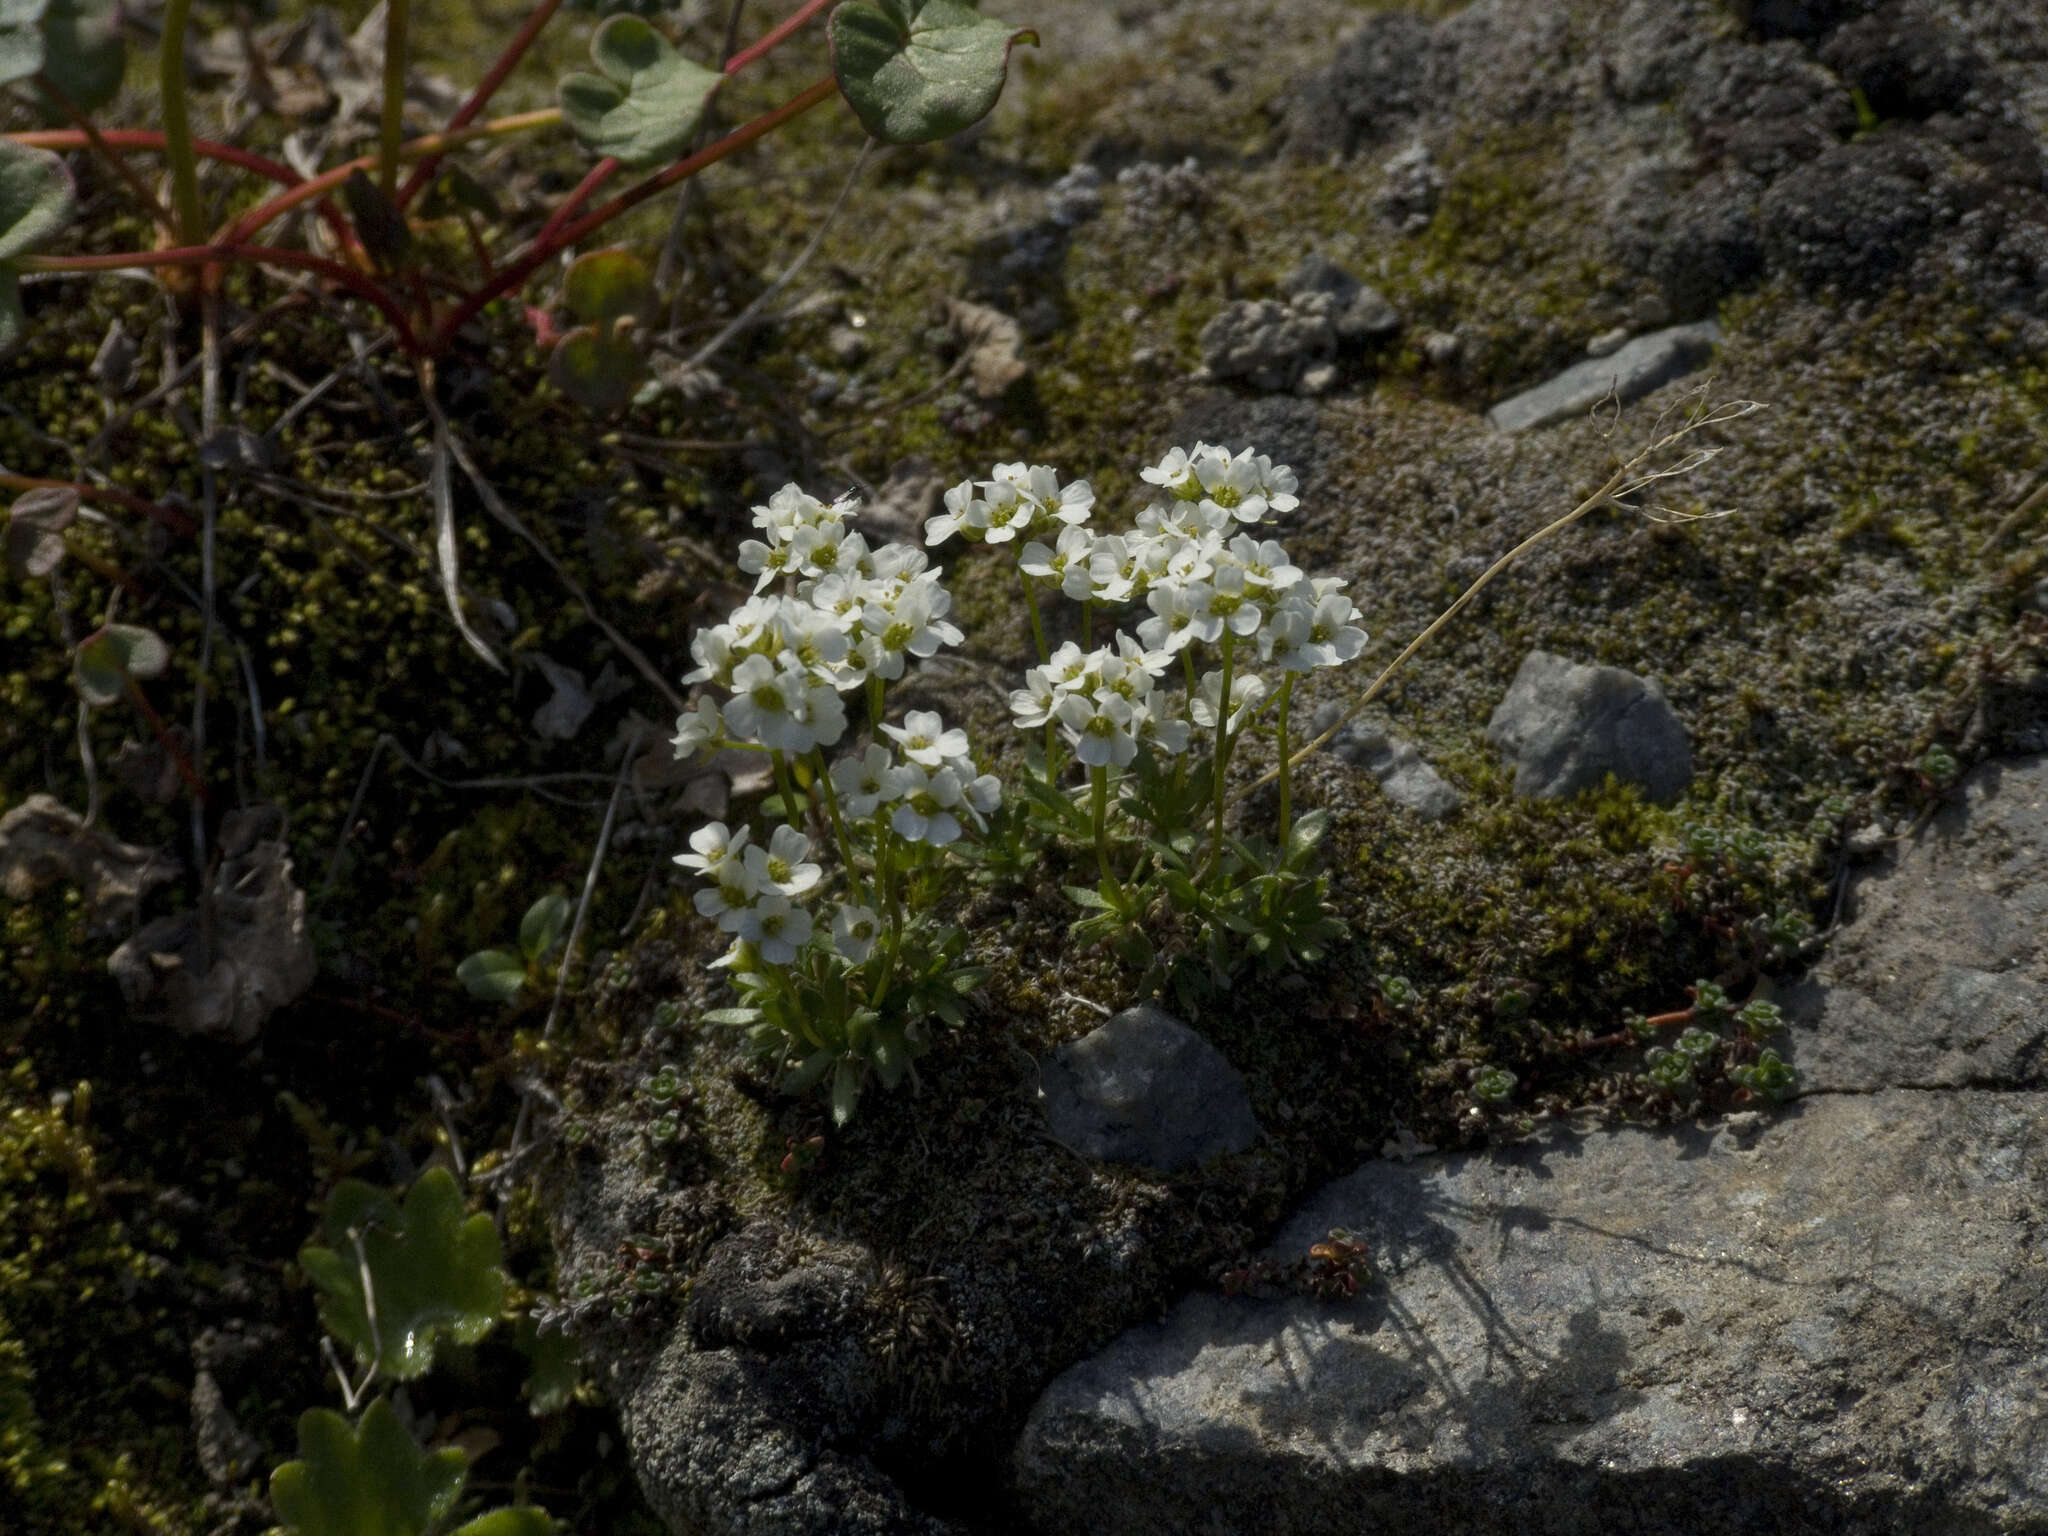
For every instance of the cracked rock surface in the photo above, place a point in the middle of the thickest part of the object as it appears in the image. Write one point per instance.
(1822, 1320)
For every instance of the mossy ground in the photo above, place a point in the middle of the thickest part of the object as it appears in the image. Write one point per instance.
(175, 1192)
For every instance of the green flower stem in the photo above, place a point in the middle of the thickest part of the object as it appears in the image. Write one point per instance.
(1037, 625)
(875, 704)
(787, 786)
(824, 778)
(1286, 781)
(391, 121)
(1098, 779)
(1088, 624)
(178, 123)
(1217, 778)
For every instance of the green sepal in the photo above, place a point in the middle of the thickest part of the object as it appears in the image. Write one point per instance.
(919, 70)
(432, 1269)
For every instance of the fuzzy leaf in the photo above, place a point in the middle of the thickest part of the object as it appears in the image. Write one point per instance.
(544, 924)
(35, 198)
(598, 368)
(84, 53)
(110, 659)
(608, 285)
(647, 101)
(431, 1268)
(35, 530)
(492, 974)
(21, 39)
(918, 70)
(367, 1481)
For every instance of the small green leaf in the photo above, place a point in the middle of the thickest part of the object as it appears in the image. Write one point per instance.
(554, 1359)
(35, 198)
(112, 659)
(369, 1481)
(493, 975)
(431, 1269)
(598, 368)
(35, 530)
(918, 70)
(845, 1091)
(646, 103)
(514, 1520)
(84, 53)
(734, 1016)
(21, 39)
(543, 926)
(1082, 896)
(609, 285)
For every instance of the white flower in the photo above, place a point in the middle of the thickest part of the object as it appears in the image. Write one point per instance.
(780, 866)
(716, 846)
(925, 739)
(912, 623)
(1247, 693)
(1284, 640)
(1172, 624)
(1333, 639)
(702, 727)
(854, 930)
(734, 895)
(983, 795)
(863, 782)
(1033, 703)
(1099, 728)
(1069, 552)
(784, 708)
(925, 803)
(1247, 486)
(1265, 562)
(776, 928)
(965, 514)
(1161, 732)
(1222, 602)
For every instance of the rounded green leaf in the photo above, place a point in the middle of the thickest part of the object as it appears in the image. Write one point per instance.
(544, 924)
(83, 51)
(21, 39)
(521, 1520)
(367, 1481)
(431, 1269)
(918, 70)
(647, 101)
(492, 975)
(597, 367)
(110, 659)
(608, 285)
(35, 198)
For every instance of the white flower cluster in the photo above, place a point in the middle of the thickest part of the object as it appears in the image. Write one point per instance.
(925, 795)
(753, 890)
(1195, 565)
(854, 613)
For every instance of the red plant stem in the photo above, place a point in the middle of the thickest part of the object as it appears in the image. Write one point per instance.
(434, 143)
(477, 248)
(156, 724)
(510, 277)
(481, 96)
(107, 152)
(584, 190)
(227, 154)
(176, 521)
(261, 255)
(769, 40)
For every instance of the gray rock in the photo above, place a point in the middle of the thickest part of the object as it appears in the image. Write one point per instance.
(1265, 342)
(1288, 430)
(913, 492)
(1442, 348)
(1940, 978)
(1401, 771)
(1319, 380)
(1360, 316)
(1076, 198)
(1410, 190)
(1144, 1088)
(1645, 364)
(1907, 63)
(1567, 726)
(1830, 1324)
(1608, 342)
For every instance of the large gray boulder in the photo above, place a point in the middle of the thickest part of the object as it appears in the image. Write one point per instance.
(1825, 1320)
(1568, 726)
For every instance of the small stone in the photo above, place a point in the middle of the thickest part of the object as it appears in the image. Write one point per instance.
(1367, 319)
(1607, 343)
(1400, 770)
(1267, 343)
(1319, 380)
(1442, 348)
(1144, 1088)
(1568, 726)
(847, 345)
(1647, 363)
(1866, 842)
(1413, 184)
